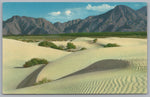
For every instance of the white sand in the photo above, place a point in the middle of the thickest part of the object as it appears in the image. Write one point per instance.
(88, 42)
(15, 53)
(104, 82)
(79, 60)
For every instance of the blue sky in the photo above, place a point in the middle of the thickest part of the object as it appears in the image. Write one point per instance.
(62, 11)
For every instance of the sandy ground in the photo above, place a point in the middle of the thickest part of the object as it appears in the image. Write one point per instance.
(97, 66)
(88, 42)
(79, 60)
(119, 81)
(15, 53)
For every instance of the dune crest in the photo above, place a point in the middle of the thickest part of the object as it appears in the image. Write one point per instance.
(82, 72)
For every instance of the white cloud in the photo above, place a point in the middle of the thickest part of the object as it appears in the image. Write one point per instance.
(103, 7)
(77, 13)
(55, 13)
(68, 12)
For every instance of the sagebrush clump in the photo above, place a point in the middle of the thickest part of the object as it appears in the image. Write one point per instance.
(95, 40)
(71, 46)
(83, 48)
(45, 80)
(35, 61)
(111, 45)
(47, 44)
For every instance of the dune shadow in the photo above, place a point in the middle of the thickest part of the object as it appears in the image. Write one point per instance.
(31, 79)
(18, 67)
(102, 65)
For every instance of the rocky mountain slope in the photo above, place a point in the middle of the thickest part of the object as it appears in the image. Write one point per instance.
(119, 19)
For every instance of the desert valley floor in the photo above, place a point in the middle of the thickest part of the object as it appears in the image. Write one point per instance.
(96, 70)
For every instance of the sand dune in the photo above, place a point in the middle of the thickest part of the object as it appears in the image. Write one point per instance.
(127, 80)
(79, 60)
(88, 42)
(125, 42)
(103, 65)
(31, 79)
(15, 54)
(108, 64)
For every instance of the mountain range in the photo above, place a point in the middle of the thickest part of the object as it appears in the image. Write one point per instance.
(120, 19)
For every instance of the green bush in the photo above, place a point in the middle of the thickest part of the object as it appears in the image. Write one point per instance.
(71, 46)
(35, 61)
(48, 44)
(83, 48)
(52, 45)
(26, 40)
(95, 40)
(30, 41)
(45, 80)
(111, 45)
(61, 47)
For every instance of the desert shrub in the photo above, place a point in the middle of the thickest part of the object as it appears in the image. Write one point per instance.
(45, 80)
(111, 45)
(30, 41)
(95, 40)
(71, 46)
(27, 40)
(22, 40)
(61, 47)
(48, 44)
(35, 61)
(83, 48)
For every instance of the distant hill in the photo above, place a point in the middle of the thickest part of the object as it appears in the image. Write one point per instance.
(143, 11)
(26, 26)
(119, 19)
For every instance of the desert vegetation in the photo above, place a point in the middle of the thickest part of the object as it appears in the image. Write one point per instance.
(50, 44)
(61, 47)
(44, 80)
(83, 48)
(47, 44)
(71, 46)
(70, 36)
(29, 40)
(35, 61)
(95, 40)
(111, 45)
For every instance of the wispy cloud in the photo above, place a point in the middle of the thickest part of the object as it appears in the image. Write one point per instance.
(103, 7)
(76, 13)
(55, 13)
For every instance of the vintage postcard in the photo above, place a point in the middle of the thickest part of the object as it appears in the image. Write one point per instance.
(74, 48)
